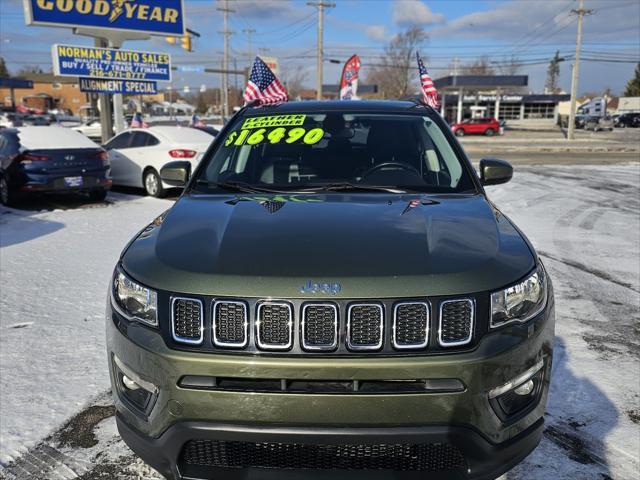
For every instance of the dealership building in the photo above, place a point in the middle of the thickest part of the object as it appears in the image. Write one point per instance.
(498, 96)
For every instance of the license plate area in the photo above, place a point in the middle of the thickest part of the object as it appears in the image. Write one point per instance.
(73, 181)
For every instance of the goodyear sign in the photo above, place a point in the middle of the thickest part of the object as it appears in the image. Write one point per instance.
(110, 63)
(129, 87)
(156, 17)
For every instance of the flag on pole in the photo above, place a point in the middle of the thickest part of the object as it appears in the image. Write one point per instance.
(429, 92)
(138, 122)
(196, 122)
(264, 86)
(349, 79)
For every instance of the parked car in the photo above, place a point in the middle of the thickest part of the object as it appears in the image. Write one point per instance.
(332, 296)
(91, 128)
(598, 123)
(628, 120)
(50, 159)
(477, 126)
(138, 154)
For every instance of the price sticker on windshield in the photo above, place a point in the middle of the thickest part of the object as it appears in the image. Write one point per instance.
(274, 136)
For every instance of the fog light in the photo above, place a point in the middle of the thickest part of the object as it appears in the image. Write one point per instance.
(140, 395)
(130, 384)
(525, 389)
(518, 396)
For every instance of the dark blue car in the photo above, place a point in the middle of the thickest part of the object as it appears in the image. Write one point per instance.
(51, 159)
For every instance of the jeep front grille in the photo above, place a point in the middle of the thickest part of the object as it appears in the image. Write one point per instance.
(410, 325)
(456, 322)
(274, 326)
(365, 325)
(187, 320)
(319, 326)
(424, 457)
(230, 324)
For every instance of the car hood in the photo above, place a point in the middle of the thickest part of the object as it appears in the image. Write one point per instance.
(373, 245)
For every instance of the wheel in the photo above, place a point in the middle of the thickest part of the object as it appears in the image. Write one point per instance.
(6, 197)
(489, 132)
(153, 184)
(97, 195)
(459, 133)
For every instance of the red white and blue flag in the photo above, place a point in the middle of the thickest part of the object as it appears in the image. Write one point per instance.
(138, 122)
(429, 92)
(263, 86)
(196, 122)
(349, 79)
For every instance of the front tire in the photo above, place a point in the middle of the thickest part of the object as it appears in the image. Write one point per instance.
(489, 132)
(6, 197)
(153, 184)
(459, 133)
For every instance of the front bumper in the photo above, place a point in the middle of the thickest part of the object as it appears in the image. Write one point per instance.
(464, 419)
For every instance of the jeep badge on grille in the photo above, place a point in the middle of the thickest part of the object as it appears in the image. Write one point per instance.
(328, 288)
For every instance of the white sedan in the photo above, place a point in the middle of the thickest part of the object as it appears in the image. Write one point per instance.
(137, 154)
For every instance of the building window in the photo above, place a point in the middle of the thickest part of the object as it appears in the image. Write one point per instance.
(538, 110)
(510, 111)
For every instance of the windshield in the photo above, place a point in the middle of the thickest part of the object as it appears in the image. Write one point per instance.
(335, 151)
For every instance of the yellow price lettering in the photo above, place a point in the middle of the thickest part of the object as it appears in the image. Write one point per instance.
(295, 134)
(230, 138)
(313, 136)
(276, 135)
(256, 137)
(241, 137)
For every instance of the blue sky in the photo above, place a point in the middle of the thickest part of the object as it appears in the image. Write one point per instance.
(531, 30)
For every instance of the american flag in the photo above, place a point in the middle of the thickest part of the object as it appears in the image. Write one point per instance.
(138, 122)
(429, 92)
(196, 122)
(264, 86)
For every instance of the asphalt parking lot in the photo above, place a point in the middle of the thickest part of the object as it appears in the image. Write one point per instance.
(57, 418)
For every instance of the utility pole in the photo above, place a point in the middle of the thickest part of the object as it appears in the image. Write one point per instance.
(249, 32)
(225, 60)
(320, 6)
(581, 12)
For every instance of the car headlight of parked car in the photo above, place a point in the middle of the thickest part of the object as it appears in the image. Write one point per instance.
(135, 301)
(519, 302)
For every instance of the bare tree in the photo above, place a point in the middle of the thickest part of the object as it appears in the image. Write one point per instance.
(397, 67)
(294, 78)
(553, 73)
(480, 66)
(510, 66)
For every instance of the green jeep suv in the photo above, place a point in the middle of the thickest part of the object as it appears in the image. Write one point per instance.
(332, 296)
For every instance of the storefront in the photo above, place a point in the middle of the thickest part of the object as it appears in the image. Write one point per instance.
(497, 96)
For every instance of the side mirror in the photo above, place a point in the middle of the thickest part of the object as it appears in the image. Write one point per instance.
(495, 172)
(176, 173)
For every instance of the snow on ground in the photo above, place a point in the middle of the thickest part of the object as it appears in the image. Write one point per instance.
(584, 221)
(54, 271)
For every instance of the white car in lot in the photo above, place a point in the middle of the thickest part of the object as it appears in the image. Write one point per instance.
(137, 154)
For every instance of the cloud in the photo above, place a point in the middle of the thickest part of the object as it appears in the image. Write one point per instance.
(281, 9)
(414, 12)
(376, 32)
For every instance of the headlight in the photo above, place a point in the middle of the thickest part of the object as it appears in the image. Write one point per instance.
(519, 302)
(133, 300)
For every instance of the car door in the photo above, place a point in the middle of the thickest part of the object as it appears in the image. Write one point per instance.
(142, 154)
(117, 149)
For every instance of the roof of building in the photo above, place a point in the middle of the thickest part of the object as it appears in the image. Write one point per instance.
(481, 81)
(48, 78)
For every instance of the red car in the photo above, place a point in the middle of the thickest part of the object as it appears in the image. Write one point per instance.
(479, 126)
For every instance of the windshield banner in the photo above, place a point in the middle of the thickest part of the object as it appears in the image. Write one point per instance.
(155, 17)
(110, 63)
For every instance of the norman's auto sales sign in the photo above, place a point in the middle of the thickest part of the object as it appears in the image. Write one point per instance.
(110, 63)
(155, 17)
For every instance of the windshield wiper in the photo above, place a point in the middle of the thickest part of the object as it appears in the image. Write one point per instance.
(235, 186)
(347, 186)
